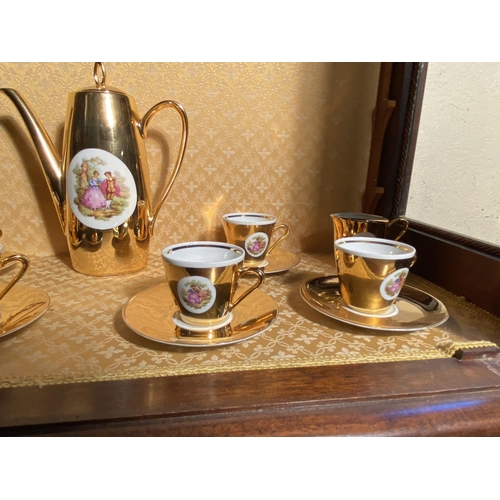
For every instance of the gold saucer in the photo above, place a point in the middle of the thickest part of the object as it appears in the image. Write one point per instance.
(20, 307)
(150, 313)
(416, 309)
(280, 261)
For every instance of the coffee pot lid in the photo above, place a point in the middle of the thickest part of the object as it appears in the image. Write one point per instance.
(100, 81)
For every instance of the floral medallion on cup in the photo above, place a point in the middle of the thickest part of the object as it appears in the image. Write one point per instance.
(391, 286)
(256, 244)
(196, 293)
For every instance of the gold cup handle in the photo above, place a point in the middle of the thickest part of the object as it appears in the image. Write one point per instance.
(286, 232)
(260, 279)
(24, 261)
(401, 220)
(413, 261)
(182, 149)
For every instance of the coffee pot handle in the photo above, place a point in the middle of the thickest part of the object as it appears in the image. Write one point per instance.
(182, 149)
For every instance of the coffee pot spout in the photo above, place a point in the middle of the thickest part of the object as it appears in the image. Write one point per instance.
(50, 159)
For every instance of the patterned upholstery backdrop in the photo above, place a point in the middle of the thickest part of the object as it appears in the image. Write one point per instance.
(291, 139)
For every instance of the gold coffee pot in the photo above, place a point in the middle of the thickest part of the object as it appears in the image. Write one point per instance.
(100, 186)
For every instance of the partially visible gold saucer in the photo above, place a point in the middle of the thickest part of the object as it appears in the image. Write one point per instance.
(150, 313)
(416, 309)
(20, 307)
(280, 261)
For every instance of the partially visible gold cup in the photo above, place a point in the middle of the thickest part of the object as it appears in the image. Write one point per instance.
(6, 262)
(348, 224)
(372, 272)
(203, 277)
(253, 232)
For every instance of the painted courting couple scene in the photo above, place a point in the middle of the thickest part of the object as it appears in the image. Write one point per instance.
(100, 193)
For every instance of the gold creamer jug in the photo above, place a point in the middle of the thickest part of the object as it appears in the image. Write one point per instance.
(100, 186)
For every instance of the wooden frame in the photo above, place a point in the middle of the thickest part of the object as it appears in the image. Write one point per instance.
(448, 259)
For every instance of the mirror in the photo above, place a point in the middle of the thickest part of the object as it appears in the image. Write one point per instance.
(455, 177)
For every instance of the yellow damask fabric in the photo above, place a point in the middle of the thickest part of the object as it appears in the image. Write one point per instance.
(82, 337)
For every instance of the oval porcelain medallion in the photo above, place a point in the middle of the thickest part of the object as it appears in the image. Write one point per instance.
(392, 285)
(256, 244)
(101, 190)
(196, 293)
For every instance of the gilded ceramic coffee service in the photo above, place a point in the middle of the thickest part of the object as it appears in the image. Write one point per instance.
(212, 290)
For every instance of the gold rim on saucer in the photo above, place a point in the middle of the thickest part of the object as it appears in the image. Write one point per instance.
(416, 309)
(20, 307)
(150, 315)
(280, 261)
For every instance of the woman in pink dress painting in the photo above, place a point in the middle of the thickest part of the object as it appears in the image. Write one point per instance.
(93, 197)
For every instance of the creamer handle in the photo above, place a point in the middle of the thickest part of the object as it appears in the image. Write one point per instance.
(405, 224)
(182, 149)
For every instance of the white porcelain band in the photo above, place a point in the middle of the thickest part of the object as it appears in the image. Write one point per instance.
(375, 248)
(203, 254)
(249, 218)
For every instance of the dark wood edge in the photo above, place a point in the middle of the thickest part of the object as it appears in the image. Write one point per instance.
(399, 141)
(466, 272)
(477, 353)
(409, 133)
(423, 416)
(459, 239)
(378, 398)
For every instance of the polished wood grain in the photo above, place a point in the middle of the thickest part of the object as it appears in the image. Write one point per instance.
(435, 397)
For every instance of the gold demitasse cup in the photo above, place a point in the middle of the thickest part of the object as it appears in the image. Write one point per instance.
(372, 271)
(253, 232)
(348, 224)
(6, 262)
(203, 277)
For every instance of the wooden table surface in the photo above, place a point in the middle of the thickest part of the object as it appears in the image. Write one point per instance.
(444, 397)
